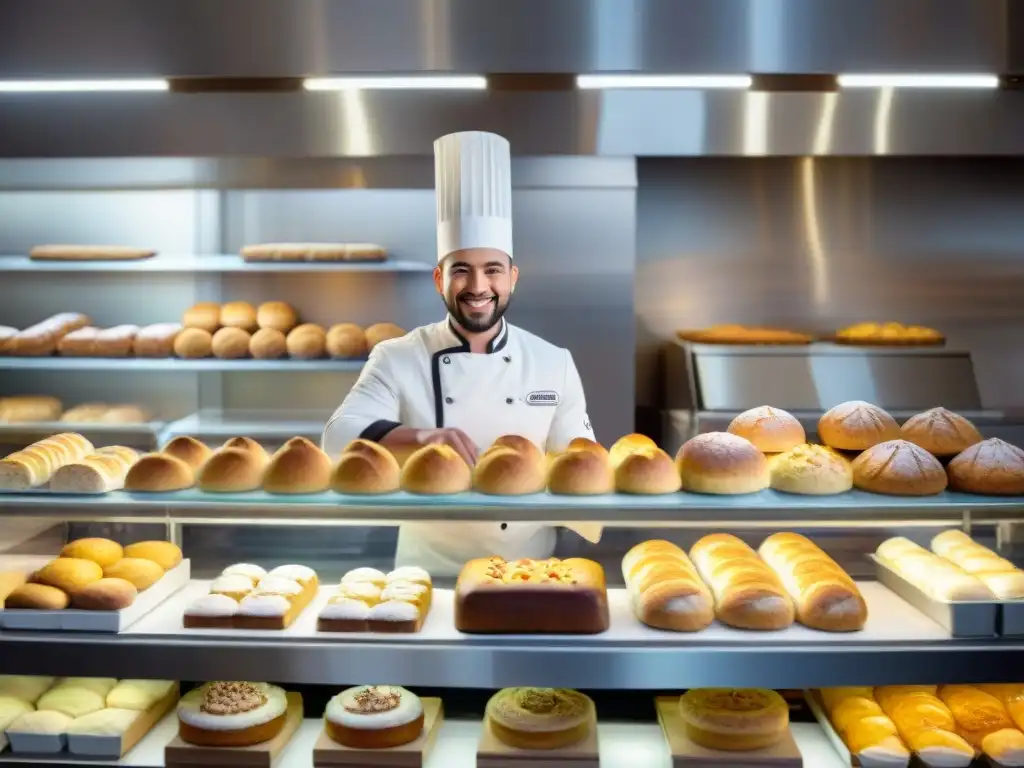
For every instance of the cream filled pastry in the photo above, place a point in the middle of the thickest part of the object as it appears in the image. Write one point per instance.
(371, 575)
(374, 717)
(232, 714)
(253, 572)
(540, 718)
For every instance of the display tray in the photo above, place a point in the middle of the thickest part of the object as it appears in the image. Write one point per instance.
(494, 753)
(72, 620)
(960, 619)
(328, 752)
(890, 620)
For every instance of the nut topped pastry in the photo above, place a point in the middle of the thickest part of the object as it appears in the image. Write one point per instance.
(374, 717)
(540, 718)
(232, 714)
(811, 470)
(940, 432)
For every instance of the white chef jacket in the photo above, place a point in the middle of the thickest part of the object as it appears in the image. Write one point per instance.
(429, 378)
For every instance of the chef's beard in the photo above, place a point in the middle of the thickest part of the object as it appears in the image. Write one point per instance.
(477, 324)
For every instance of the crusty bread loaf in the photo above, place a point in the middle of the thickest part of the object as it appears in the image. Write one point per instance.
(811, 470)
(503, 471)
(239, 314)
(926, 725)
(1000, 575)
(306, 342)
(823, 593)
(300, 467)
(230, 343)
(365, 468)
(79, 343)
(346, 340)
(27, 408)
(867, 731)
(41, 339)
(379, 332)
(770, 430)
(628, 445)
(193, 344)
(156, 340)
(991, 467)
(940, 432)
(193, 452)
(665, 589)
(159, 473)
(933, 575)
(36, 464)
(722, 463)
(230, 470)
(899, 468)
(436, 469)
(648, 471)
(100, 472)
(581, 472)
(205, 316)
(856, 426)
(531, 597)
(748, 594)
(279, 315)
(88, 253)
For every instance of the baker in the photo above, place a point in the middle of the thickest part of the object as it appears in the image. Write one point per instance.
(472, 377)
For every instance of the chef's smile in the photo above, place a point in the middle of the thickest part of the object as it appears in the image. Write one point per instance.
(478, 305)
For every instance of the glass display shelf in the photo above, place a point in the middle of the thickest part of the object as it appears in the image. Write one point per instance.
(175, 365)
(207, 262)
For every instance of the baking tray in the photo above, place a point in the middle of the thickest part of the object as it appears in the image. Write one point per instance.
(961, 619)
(73, 620)
(854, 761)
(1011, 618)
(37, 743)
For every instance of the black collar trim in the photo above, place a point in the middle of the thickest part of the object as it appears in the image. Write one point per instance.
(496, 344)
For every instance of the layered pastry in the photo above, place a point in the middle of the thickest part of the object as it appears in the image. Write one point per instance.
(374, 717)
(232, 714)
(823, 593)
(856, 426)
(540, 718)
(721, 463)
(770, 430)
(743, 334)
(245, 596)
(734, 719)
(991, 467)
(368, 600)
(812, 470)
(936, 576)
(899, 468)
(889, 335)
(665, 589)
(748, 594)
(869, 734)
(997, 573)
(926, 725)
(940, 432)
(531, 597)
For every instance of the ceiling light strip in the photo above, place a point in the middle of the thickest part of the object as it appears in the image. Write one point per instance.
(969, 81)
(426, 82)
(82, 86)
(702, 82)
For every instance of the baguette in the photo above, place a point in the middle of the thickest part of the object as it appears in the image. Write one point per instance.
(998, 574)
(115, 342)
(156, 340)
(42, 338)
(79, 343)
(926, 725)
(665, 589)
(748, 594)
(824, 594)
(89, 253)
(978, 714)
(933, 575)
(35, 465)
(868, 732)
(99, 472)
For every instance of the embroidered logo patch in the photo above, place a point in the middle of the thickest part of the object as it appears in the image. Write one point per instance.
(545, 397)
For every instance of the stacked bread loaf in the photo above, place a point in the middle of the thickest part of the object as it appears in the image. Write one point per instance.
(245, 596)
(97, 575)
(36, 464)
(512, 466)
(934, 575)
(100, 471)
(925, 724)
(869, 734)
(41, 339)
(1003, 578)
(368, 600)
(314, 252)
(28, 408)
(90, 341)
(665, 589)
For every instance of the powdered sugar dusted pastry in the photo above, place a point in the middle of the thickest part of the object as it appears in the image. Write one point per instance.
(371, 575)
(264, 605)
(344, 614)
(232, 714)
(899, 468)
(277, 585)
(366, 591)
(412, 573)
(235, 586)
(300, 573)
(253, 572)
(374, 717)
(406, 592)
(396, 616)
(210, 611)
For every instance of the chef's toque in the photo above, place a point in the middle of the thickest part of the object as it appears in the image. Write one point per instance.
(473, 186)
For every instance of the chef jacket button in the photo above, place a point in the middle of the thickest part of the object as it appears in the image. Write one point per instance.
(508, 400)
(507, 359)
(449, 400)
(504, 526)
(446, 360)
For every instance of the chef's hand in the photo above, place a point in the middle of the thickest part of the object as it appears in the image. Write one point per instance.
(456, 438)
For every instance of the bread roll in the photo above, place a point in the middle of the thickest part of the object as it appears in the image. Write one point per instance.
(436, 470)
(277, 315)
(748, 594)
(205, 316)
(582, 472)
(230, 470)
(156, 340)
(856, 426)
(68, 574)
(105, 595)
(933, 575)
(628, 445)
(298, 468)
(899, 468)
(379, 332)
(163, 553)
(141, 573)
(300, 442)
(991, 467)
(268, 344)
(306, 342)
(1002, 577)
(248, 445)
(27, 408)
(100, 472)
(115, 342)
(103, 552)
(230, 343)
(721, 463)
(770, 430)
(239, 314)
(665, 589)
(346, 340)
(193, 344)
(824, 594)
(519, 444)
(506, 472)
(80, 343)
(191, 451)
(649, 471)
(588, 445)
(7, 333)
(159, 473)
(810, 470)
(9, 581)
(940, 432)
(37, 597)
(365, 468)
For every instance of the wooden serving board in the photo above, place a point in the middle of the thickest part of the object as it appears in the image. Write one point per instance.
(494, 753)
(179, 753)
(328, 752)
(686, 754)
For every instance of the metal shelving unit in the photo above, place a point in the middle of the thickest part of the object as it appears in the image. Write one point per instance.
(260, 425)
(221, 263)
(174, 365)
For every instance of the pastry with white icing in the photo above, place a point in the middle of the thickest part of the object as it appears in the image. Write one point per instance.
(371, 575)
(412, 573)
(395, 616)
(374, 717)
(364, 591)
(211, 612)
(344, 614)
(245, 596)
(235, 586)
(394, 602)
(232, 714)
(302, 574)
(253, 572)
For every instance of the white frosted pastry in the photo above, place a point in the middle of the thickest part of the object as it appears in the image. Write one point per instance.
(411, 573)
(253, 572)
(346, 608)
(364, 574)
(71, 701)
(294, 572)
(232, 706)
(106, 722)
(138, 695)
(394, 610)
(235, 584)
(102, 685)
(43, 721)
(405, 591)
(366, 591)
(278, 585)
(11, 709)
(264, 605)
(213, 605)
(359, 708)
(25, 687)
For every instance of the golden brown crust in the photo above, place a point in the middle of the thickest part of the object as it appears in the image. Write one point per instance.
(243, 737)
(889, 335)
(306, 342)
(142, 573)
(89, 253)
(163, 553)
(278, 315)
(734, 719)
(504, 471)
(436, 470)
(992, 467)
(811, 470)
(366, 468)
(105, 595)
(519, 444)
(665, 589)
(899, 468)
(68, 573)
(39, 597)
(203, 316)
(376, 738)
(230, 470)
(647, 471)
(856, 426)
(189, 450)
(346, 340)
(628, 445)
(238, 314)
(298, 468)
(230, 343)
(159, 473)
(770, 430)
(193, 344)
(940, 432)
(268, 344)
(741, 334)
(103, 552)
(379, 332)
(581, 472)
(721, 463)
(248, 445)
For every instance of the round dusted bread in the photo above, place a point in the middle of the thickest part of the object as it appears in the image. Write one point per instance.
(435, 470)
(647, 471)
(582, 472)
(899, 468)
(992, 467)
(856, 426)
(812, 470)
(721, 463)
(770, 430)
(940, 432)
(504, 471)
